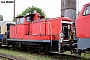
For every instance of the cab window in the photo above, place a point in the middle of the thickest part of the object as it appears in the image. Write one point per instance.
(17, 20)
(87, 11)
(28, 19)
(21, 21)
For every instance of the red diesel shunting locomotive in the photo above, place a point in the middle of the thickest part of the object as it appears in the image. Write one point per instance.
(31, 30)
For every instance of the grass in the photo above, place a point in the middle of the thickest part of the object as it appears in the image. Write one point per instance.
(86, 56)
(83, 56)
(29, 56)
(24, 55)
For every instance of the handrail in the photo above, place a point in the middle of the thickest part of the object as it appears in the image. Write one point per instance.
(49, 30)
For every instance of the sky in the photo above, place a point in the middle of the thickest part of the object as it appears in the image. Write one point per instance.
(50, 7)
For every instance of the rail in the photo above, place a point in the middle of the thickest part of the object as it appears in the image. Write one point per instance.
(6, 57)
(10, 57)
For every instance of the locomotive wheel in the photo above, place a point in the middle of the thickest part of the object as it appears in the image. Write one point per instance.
(30, 49)
(18, 46)
(79, 52)
(0, 45)
(44, 50)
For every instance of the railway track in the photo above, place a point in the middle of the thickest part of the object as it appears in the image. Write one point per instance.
(56, 56)
(63, 56)
(4, 57)
(8, 56)
(53, 55)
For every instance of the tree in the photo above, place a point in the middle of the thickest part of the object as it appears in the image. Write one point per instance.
(30, 10)
(1, 18)
(14, 20)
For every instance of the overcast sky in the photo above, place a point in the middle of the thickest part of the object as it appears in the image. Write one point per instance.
(49, 7)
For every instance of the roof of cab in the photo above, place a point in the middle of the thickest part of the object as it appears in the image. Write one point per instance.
(19, 16)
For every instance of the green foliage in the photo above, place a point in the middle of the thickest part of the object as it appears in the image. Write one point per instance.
(14, 20)
(1, 18)
(30, 10)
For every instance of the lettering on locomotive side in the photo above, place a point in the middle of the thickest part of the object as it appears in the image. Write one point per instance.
(7, 1)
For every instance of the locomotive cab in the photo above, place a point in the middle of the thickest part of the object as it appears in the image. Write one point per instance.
(23, 24)
(21, 27)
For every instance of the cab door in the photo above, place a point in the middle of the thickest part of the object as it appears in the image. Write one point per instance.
(66, 28)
